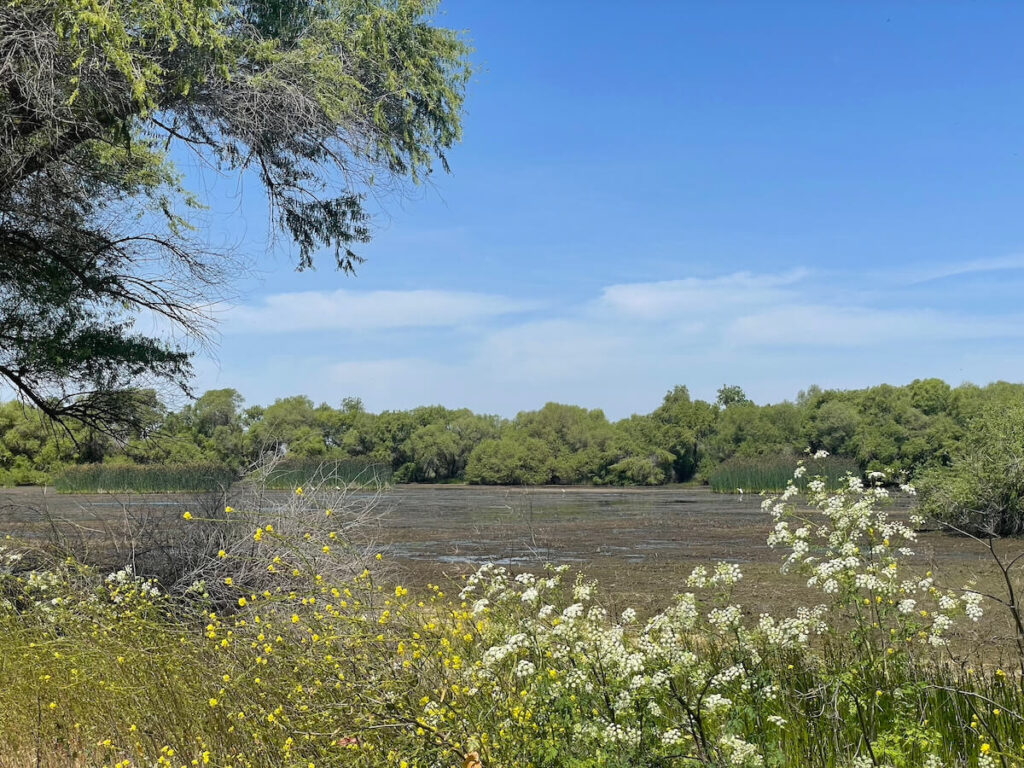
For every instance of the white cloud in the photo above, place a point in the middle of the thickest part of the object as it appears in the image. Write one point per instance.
(974, 266)
(838, 326)
(365, 310)
(773, 334)
(697, 296)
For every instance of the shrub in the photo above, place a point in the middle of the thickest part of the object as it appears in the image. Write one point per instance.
(655, 469)
(982, 491)
(21, 472)
(512, 460)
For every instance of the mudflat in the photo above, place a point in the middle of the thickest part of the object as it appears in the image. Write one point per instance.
(640, 544)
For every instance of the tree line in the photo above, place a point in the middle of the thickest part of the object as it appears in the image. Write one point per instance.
(900, 430)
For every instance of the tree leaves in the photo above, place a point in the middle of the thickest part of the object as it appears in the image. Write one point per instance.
(322, 99)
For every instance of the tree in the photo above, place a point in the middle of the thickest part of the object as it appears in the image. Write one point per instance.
(441, 450)
(731, 395)
(514, 459)
(582, 441)
(288, 426)
(831, 424)
(686, 424)
(316, 99)
(982, 492)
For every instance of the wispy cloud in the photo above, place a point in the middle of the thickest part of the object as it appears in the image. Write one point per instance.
(973, 266)
(851, 326)
(621, 349)
(366, 310)
(694, 295)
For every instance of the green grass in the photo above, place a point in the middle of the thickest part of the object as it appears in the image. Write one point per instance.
(97, 672)
(765, 473)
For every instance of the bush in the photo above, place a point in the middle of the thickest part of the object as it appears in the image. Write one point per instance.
(21, 472)
(982, 491)
(512, 460)
(641, 470)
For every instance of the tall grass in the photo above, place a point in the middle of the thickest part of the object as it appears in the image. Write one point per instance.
(771, 473)
(144, 478)
(198, 478)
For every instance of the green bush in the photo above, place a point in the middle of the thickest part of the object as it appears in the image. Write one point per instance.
(21, 472)
(512, 460)
(655, 469)
(982, 491)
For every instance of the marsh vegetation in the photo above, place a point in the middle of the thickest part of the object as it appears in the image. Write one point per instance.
(297, 637)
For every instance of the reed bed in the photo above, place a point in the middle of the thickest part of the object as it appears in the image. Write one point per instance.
(199, 478)
(145, 478)
(771, 474)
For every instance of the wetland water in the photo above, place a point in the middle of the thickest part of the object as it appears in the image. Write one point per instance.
(633, 541)
(639, 543)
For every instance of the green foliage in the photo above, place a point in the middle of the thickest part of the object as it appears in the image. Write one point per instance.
(581, 443)
(511, 460)
(764, 473)
(151, 478)
(982, 492)
(318, 101)
(902, 432)
(684, 425)
(729, 395)
(655, 469)
(441, 450)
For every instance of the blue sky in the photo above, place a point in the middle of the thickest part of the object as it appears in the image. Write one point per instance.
(649, 194)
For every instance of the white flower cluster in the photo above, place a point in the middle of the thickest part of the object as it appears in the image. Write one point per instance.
(740, 753)
(724, 575)
(855, 553)
(124, 585)
(643, 679)
(678, 685)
